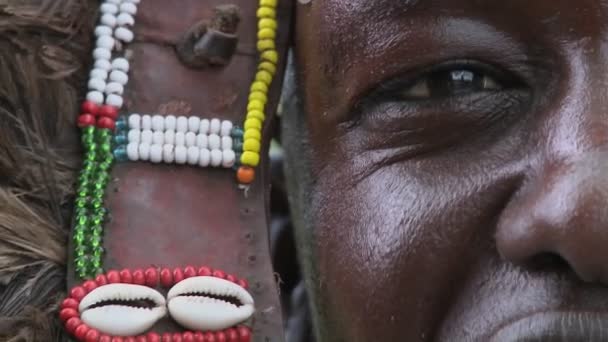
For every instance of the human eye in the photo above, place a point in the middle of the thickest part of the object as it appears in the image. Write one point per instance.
(452, 82)
(444, 104)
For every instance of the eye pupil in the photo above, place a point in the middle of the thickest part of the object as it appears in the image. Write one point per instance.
(455, 83)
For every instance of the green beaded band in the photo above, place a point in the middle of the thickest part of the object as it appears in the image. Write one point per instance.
(90, 213)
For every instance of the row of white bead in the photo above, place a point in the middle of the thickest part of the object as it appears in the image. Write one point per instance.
(188, 139)
(170, 154)
(180, 124)
(114, 13)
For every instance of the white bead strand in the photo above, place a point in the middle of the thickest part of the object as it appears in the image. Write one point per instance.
(103, 30)
(226, 128)
(204, 158)
(190, 139)
(194, 124)
(193, 155)
(216, 158)
(181, 154)
(228, 158)
(124, 34)
(146, 122)
(168, 153)
(226, 143)
(156, 153)
(204, 129)
(108, 8)
(135, 121)
(214, 142)
(215, 126)
(128, 7)
(182, 124)
(124, 19)
(121, 64)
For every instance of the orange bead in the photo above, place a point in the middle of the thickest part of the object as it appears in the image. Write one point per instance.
(245, 175)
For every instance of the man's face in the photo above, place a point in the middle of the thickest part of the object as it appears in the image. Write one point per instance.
(459, 165)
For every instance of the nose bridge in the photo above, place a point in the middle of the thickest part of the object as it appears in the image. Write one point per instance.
(578, 120)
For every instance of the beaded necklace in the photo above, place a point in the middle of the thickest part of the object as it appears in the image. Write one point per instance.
(258, 96)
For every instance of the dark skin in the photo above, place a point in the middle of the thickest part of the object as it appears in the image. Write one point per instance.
(453, 183)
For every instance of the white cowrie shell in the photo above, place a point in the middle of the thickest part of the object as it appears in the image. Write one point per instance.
(121, 320)
(205, 313)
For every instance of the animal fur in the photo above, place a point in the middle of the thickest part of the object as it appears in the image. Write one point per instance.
(44, 54)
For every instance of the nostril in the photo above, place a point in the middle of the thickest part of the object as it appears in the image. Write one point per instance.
(548, 262)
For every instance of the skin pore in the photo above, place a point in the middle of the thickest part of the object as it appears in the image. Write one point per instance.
(448, 162)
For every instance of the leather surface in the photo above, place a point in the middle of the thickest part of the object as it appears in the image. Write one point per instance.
(173, 216)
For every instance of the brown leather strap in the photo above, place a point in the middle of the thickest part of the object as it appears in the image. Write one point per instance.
(173, 216)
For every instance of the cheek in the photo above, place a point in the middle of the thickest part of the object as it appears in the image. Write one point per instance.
(392, 247)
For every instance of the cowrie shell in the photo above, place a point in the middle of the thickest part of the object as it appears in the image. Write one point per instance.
(121, 320)
(194, 304)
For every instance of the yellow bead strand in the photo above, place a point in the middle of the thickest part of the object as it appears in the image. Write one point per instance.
(258, 96)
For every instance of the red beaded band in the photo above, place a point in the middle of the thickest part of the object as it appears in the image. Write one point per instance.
(102, 116)
(151, 277)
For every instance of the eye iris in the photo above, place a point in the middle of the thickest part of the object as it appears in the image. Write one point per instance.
(451, 83)
(455, 82)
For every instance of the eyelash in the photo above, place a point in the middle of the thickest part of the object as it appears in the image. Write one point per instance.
(417, 121)
(392, 91)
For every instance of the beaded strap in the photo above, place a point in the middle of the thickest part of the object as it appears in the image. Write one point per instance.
(258, 96)
(98, 121)
(179, 140)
